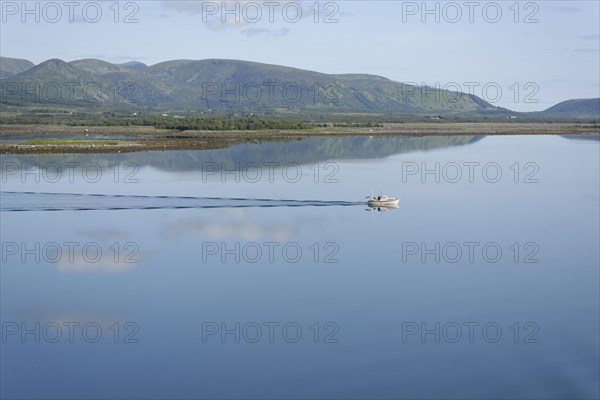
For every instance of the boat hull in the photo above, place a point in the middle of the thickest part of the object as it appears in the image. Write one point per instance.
(383, 203)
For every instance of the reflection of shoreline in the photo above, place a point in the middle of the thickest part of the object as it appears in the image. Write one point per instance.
(112, 140)
(309, 150)
(304, 150)
(582, 137)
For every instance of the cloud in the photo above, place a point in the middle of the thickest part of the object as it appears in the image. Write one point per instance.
(587, 50)
(241, 227)
(225, 14)
(116, 257)
(246, 230)
(215, 24)
(103, 234)
(216, 8)
(591, 37)
(210, 13)
(566, 9)
(65, 318)
(251, 32)
(105, 263)
(189, 7)
(380, 67)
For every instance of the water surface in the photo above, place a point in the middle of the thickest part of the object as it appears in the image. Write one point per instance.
(259, 272)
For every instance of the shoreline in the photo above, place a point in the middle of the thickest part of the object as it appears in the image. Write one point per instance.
(59, 139)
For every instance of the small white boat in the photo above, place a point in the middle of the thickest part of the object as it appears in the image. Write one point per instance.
(382, 201)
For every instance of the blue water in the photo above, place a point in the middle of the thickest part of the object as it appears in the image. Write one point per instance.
(259, 272)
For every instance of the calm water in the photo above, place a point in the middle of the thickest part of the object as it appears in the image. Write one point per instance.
(259, 272)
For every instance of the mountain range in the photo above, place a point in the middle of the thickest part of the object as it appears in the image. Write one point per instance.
(575, 108)
(230, 85)
(12, 66)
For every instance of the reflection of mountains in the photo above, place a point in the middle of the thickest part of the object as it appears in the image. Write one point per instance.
(582, 137)
(305, 151)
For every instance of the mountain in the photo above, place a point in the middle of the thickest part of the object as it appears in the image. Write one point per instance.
(54, 81)
(576, 108)
(135, 65)
(228, 85)
(98, 67)
(13, 66)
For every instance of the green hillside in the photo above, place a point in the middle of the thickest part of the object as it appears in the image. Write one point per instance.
(228, 85)
(55, 82)
(135, 65)
(577, 108)
(13, 66)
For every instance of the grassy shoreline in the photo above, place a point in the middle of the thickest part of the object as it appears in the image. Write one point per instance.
(41, 139)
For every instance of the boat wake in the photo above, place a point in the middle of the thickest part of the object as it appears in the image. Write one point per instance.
(41, 201)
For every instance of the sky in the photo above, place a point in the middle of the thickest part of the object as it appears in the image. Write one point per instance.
(522, 55)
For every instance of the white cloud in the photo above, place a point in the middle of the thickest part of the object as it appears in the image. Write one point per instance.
(251, 32)
(566, 9)
(245, 229)
(105, 262)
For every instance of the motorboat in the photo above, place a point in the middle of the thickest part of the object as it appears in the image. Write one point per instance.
(383, 201)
